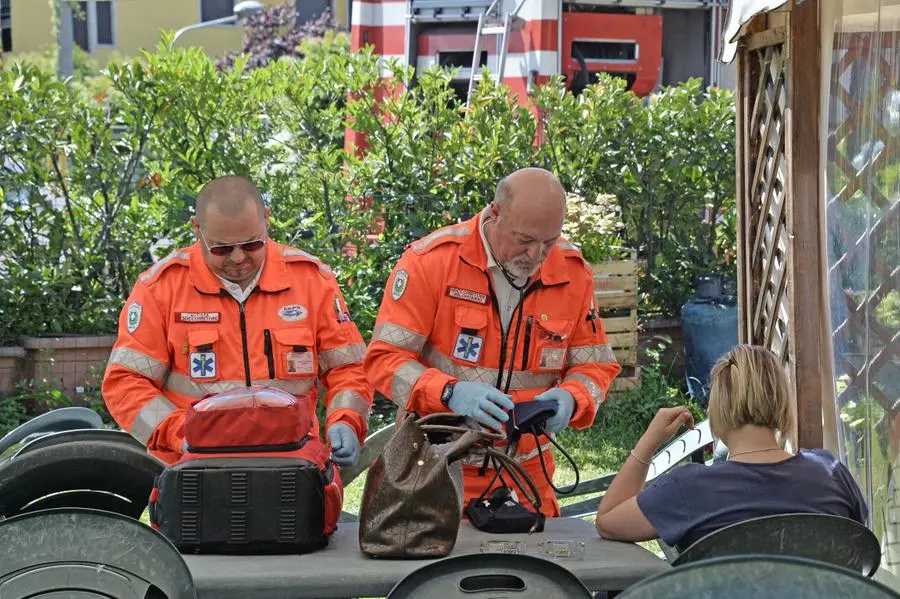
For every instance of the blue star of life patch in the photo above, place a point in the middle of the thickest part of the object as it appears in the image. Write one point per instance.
(203, 365)
(468, 348)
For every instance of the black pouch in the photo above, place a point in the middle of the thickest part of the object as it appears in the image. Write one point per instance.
(502, 514)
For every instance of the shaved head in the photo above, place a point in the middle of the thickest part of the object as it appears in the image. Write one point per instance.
(526, 219)
(532, 188)
(230, 196)
(230, 215)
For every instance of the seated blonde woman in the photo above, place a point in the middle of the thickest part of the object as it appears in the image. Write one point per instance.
(749, 406)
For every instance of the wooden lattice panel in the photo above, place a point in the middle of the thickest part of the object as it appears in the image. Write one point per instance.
(864, 151)
(765, 236)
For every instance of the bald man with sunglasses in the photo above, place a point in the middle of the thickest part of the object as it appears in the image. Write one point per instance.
(235, 309)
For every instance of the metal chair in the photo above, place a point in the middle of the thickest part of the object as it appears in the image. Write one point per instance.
(832, 539)
(490, 575)
(98, 469)
(754, 576)
(62, 419)
(89, 554)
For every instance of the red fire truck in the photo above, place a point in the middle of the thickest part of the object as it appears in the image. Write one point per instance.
(527, 41)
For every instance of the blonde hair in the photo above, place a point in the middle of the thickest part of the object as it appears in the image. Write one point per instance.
(748, 386)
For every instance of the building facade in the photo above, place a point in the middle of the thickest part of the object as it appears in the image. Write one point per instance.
(105, 28)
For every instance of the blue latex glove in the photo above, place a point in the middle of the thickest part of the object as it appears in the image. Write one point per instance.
(565, 405)
(481, 402)
(344, 444)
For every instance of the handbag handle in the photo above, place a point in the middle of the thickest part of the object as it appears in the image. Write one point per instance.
(519, 476)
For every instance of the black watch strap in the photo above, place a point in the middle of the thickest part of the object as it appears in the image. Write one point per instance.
(447, 393)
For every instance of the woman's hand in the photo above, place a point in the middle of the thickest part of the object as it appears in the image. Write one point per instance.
(665, 424)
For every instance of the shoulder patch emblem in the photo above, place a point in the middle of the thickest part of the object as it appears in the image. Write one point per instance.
(134, 316)
(293, 312)
(399, 285)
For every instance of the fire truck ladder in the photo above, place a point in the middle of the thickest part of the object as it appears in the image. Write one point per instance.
(489, 26)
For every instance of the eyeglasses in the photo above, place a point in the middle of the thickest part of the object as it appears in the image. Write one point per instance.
(226, 249)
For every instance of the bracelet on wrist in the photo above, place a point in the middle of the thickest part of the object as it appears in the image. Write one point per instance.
(644, 462)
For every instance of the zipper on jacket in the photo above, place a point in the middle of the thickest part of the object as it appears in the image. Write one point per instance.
(247, 378)
(529, 324)
(270, 356)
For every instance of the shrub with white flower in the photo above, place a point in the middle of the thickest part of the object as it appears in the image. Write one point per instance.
(595, 226)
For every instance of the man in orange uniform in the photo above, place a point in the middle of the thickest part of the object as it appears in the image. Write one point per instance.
(495, 311)
(235, 309)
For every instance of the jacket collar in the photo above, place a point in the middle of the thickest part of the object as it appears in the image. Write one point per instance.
(553, 271)
(274, 276)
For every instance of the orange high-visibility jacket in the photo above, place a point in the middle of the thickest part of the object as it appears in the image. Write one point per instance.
(439, 322)
(182, 337)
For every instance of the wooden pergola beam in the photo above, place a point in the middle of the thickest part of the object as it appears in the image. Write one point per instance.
(781, 254)
(805, 252)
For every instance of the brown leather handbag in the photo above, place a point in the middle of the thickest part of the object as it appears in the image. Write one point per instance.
(413, 499)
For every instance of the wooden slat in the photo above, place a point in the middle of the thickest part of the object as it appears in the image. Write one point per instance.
(743, 98)
(805, 252)
(615, 287)
(622, 340)
(621, 324)
(618, 300)
(627, 383)
(769, 37)
(615, 284)
(614, 268)
(626, 356)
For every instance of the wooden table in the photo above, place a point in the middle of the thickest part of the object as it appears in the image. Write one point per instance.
(341, 570)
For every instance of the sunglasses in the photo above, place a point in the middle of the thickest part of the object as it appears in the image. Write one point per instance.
(226, 249)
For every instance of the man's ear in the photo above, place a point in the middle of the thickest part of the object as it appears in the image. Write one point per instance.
(195, 226)
(494, 210)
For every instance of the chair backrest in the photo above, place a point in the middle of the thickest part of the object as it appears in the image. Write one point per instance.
(88, 553)
(680, 449)
(754, 576)
(89, 468)
(490, 575)
(833, 539)
(62, 419)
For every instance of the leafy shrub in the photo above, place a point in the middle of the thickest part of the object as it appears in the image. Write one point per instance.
(94, 187)
(595, 226)
(623, 418)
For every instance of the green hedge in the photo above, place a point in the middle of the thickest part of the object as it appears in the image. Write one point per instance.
(91, 181)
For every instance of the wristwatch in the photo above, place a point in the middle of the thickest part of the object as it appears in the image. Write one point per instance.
(447, 393)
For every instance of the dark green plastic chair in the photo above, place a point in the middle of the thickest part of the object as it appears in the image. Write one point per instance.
(833, 539)
(490, 575)
(99, 469)
(88, 554)
(755, 576)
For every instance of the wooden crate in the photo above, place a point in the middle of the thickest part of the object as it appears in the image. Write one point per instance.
(615, 293)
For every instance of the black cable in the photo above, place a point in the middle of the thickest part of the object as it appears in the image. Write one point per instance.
(537, 442)
(512, 359)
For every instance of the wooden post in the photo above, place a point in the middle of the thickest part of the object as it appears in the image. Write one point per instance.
(805, 201)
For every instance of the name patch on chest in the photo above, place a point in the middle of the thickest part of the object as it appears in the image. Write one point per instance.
(467, 295)
(198, 317)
